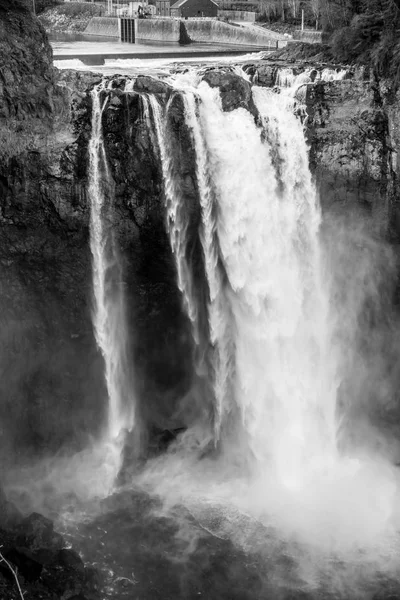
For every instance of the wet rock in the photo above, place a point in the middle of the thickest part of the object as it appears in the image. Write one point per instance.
(36, 531)
(93, 578)
(57, 541)
(115, 101)
(266, 75)
(143, 83)
(235, 91)
(25, 562)
(71, 560)
(45, 556)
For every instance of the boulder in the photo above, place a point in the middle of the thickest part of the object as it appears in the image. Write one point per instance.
(235, 91)
(265, 75)
(144, 83)
(36, 531)
(45, 556)
(70, 560)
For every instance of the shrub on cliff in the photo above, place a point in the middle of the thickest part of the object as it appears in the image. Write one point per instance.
(372, 37)
(42, 5)
(70, 16)
(76, 9)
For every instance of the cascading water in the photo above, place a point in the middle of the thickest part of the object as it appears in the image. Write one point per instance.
(274, 482)
(267, 232)
(218, 310)
(273, 329)
(176, 223)
(109, 314)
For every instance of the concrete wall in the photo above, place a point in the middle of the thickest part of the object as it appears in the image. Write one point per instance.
(158, 30)
(308, 35)
(205, 30)
(218, 32)
(238, 15)
(107, 26)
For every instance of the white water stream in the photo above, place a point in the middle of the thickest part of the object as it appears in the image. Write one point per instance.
(274, 330)
(109, 313)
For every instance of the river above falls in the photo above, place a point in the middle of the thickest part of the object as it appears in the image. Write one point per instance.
(82, 52)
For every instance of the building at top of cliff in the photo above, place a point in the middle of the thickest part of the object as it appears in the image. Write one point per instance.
(194, 8)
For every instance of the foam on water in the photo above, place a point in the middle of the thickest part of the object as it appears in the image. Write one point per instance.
(72, 63)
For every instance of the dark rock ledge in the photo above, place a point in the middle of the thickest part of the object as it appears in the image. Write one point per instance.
(37, 556)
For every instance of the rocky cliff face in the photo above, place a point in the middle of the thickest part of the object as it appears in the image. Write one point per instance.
(51, 369)
(352, 149)
(352, 127)
(26, 75)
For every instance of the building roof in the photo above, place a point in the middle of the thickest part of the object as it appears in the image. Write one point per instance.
(180, 3)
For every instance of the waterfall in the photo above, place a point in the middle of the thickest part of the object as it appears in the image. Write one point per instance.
(177, 223)
(267, 233)
(275, 359)
(218, 311)
(268, 309)
(109, 313)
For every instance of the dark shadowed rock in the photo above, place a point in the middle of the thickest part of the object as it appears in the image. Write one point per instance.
(25, 562)
(27, 74)
(36, 532)
(235, 91)
(143, 83)
(93, 578)
(45, 556)
(266, 75)
(71, 560)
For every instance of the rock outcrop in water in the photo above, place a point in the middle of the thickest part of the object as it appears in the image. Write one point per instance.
(47, 346)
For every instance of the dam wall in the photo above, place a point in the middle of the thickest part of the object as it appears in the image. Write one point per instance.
(210, 31)
(107, 26)
(308, 35)
(157, 30)
(218, 32)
